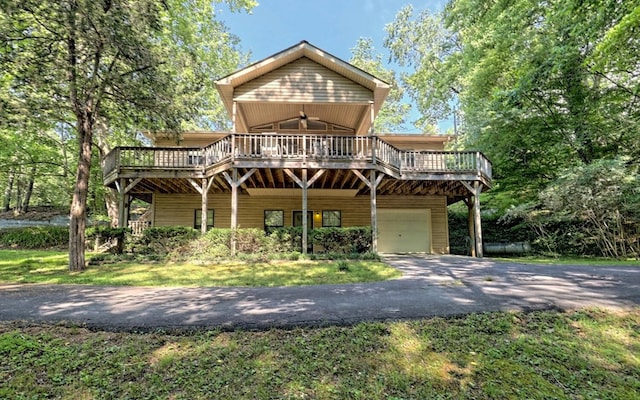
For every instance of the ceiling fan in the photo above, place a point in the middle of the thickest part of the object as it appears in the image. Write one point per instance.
(304, 118)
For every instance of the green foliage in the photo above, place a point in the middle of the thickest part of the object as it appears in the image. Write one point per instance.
(537, 355)
(162, 241)
(49, 267)
(351, 240)
(41, 237)
(393, 114)
(592, 209)
(546, 90)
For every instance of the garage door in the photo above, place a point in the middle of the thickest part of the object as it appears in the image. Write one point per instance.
(404, 230)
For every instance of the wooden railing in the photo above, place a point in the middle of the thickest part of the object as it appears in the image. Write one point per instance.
(312, 147)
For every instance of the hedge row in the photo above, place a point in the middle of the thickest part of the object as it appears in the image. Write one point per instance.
(36, 237)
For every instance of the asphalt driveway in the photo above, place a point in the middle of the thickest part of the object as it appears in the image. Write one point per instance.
(430, 286)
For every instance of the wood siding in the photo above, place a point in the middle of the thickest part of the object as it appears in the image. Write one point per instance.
(302, 81)
(178, 209)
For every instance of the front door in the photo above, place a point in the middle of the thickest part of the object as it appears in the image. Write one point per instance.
(297, 221)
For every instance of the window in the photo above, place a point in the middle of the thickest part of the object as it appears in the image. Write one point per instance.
(331, 218)
(292, 124)
(273, 219)
(197, 219)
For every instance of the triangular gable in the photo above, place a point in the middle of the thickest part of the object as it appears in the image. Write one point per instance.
(303, 81)
(261, 82)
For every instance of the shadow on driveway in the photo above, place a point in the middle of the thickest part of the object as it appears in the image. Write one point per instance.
(430, 286)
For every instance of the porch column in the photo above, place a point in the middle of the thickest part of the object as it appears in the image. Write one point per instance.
(373, 182)
(234, 209)
(304, 184)
(305, 227)
(374, 213)
(203, 206)
(235, 182)
(477, 218)
(234, 110)
(470, 225)
(476, 231)
(124, 200)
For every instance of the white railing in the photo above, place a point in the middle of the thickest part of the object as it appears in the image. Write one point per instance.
(316, 147)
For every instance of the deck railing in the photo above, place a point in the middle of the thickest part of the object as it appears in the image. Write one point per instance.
(305, 147)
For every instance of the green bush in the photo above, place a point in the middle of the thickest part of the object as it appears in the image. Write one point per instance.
(163, 241)
(494, 229)
(35, 237)
(102, 234)
(352, 240)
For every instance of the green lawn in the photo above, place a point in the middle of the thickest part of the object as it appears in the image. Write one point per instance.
(565, 260)
(28, 266)
(588, 354)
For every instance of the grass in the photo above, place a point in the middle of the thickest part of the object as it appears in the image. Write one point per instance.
(566, 260)
(50, 267)
(585, 354)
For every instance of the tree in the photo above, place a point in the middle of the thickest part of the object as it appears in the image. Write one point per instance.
(394, 112)
(96, 59)
(542, 85)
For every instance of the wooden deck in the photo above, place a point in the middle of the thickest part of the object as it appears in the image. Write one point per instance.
(344, 158)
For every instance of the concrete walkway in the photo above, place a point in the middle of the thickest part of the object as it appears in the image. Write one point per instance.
(430, 286)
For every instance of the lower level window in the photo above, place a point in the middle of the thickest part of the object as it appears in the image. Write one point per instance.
(197, 220)
(331, 218)
(273, 219)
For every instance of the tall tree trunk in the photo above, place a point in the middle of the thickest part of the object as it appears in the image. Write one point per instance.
(17, 209)
(111, 202)
(29, 191)
(7, 192)
(78, 220)
(101, 131)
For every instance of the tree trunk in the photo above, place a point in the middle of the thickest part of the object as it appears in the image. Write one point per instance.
(17, 210)
(110, 195)
(78, 221)
(29, 191)
(111, 202)
(7, 192)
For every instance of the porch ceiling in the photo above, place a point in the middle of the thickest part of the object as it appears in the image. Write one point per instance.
(272, 178)
(348, 115)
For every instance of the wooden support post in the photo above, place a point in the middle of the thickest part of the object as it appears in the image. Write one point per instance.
(477, 218)
(234, 117)
(123, 203)
(304, 183)
(374, 213)
(470, 226)
(204, 194)
(476, 233)
(234, 209)
(305, 227)
(372, 183)
(235, 182)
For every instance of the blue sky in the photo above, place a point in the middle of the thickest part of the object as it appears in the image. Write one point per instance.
(333, 25)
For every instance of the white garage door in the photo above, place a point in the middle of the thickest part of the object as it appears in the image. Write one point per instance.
(404, 230)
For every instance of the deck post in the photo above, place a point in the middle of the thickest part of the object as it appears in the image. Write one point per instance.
(471, 226)
(374, 212)
(305, 227)
(123, 203)
(475, 232)
(477, 186)
(234, 209)
(203, 216)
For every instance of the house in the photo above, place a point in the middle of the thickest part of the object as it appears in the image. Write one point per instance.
(303, 152)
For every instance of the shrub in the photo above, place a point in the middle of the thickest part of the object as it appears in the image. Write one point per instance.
(114, 237)
(163, 240)
(35, 237)
(352, 240)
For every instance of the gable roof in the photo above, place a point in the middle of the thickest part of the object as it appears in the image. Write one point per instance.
(280, 85)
